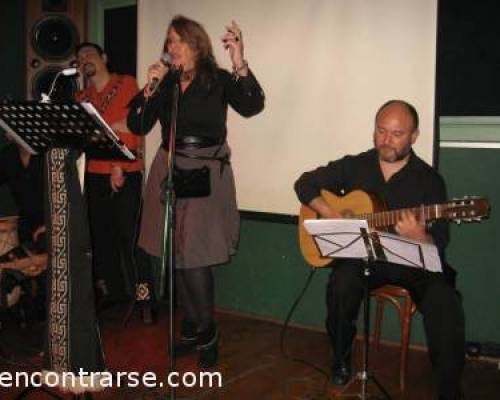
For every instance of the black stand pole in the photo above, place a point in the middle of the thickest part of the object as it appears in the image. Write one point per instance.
(364, 376)
(168, 255)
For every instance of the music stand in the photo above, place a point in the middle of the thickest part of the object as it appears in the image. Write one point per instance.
(37, 126)
(350, 238)
(40, 126)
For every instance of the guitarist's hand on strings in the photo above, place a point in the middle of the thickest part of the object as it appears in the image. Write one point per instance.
(412, 227)
(319, 205)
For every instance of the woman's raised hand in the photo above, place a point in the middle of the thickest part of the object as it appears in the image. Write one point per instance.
(233, 42)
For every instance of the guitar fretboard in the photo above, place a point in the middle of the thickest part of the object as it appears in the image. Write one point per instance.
(386, 218)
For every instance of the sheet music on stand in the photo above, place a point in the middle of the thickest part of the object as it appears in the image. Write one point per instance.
(341, 238)
(37, 126)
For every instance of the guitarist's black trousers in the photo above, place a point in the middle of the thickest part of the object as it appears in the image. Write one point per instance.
(436, 298)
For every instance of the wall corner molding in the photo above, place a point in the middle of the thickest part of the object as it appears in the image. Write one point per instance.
(470, 132)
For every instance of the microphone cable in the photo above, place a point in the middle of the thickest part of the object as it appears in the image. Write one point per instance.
(284, 328)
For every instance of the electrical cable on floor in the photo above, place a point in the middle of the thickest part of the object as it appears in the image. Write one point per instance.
(285, 327)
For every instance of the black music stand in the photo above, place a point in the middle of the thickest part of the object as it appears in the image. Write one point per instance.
(39, 126)
(348, 238)
(374, 252)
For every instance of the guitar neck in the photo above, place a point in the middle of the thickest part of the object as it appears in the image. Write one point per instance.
(383, 219)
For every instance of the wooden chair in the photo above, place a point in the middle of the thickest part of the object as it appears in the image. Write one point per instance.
(402, 300)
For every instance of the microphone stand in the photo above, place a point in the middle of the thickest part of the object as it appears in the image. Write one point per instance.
(168, 255)
(46, 98)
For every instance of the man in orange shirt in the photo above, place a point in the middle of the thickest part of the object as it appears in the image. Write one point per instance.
(113, 185)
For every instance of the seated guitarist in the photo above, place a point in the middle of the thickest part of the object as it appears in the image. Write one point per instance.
(393, 172)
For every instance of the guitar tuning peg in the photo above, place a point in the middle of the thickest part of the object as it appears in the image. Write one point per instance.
(458, 221)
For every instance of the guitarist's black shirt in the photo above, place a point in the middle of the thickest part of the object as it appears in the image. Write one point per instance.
(415, 184)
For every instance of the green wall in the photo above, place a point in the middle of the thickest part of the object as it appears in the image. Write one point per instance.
(96, 9)
(268, 273)
(474, 249)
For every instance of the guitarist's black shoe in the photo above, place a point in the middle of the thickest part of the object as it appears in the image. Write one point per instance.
(341, 373)
(341, 368)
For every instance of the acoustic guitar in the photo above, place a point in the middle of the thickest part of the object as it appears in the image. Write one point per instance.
(361, 205)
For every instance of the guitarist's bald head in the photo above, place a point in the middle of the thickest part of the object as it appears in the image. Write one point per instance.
(412, 112)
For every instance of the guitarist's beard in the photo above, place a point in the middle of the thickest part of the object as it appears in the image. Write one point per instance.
(391, 155)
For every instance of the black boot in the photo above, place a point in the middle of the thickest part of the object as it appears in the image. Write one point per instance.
(208, 347)
(341, 369)
(189, 339)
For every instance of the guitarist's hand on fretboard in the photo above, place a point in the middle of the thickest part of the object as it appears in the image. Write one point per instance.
(412, 227)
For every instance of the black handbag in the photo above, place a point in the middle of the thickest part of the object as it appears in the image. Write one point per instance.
(190, 183)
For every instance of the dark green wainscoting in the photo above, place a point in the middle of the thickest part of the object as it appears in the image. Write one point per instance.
(475, 248)
(268, 273)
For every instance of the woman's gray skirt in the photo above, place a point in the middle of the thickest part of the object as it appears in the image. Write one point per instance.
(207, 228)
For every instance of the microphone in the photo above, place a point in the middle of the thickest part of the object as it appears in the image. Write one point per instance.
(166, 60)
(69, 71)
(66, 72)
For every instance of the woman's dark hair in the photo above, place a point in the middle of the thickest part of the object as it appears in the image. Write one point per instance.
(198, 40)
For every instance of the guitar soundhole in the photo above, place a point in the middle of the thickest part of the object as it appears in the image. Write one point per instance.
(347, 213)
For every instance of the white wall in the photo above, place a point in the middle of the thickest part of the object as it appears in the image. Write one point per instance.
(325, 66)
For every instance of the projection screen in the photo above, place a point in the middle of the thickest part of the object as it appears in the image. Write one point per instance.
(325, 66)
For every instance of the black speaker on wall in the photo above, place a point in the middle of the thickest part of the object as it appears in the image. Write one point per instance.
(53, 29)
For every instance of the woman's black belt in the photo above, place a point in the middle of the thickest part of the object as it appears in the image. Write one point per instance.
(195, 142)
(198, 142)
